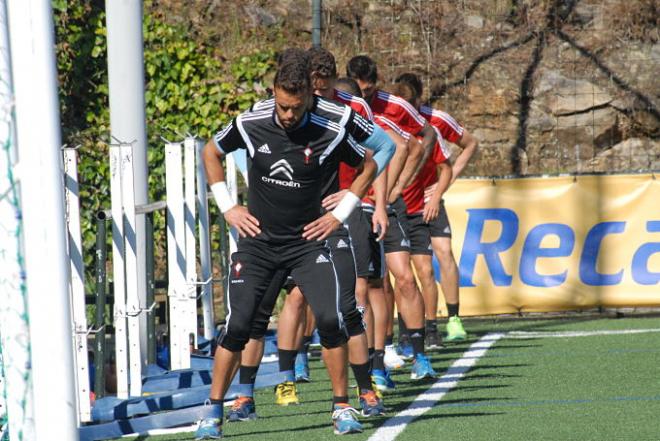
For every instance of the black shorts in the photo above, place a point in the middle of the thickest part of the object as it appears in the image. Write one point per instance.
(257, 267)
(338, 246)
(439, 227)
(397, 237)
(420, 235)
(376, 263)
(359, 230)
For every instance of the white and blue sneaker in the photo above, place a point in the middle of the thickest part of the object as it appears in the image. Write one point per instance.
(392, 359)
(344, 419)
(301, 369)
(211, 426)
(421, 368)
(382, 380)
(405, 349)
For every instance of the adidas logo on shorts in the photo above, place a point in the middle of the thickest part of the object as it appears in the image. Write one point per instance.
(430, 247)
(447, 230)
(322, 259)
(405, 243)
(342, 244)
(264, 149)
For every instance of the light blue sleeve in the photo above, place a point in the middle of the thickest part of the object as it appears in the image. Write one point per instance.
(382, 146)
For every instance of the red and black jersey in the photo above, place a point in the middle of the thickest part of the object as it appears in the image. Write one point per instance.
(347, 173)
(397, 110)
(413, 195)
(450, 129)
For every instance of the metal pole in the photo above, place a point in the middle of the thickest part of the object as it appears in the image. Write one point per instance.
(77, 282)
(46, 260)
(316, 22)
(14, 320)
(151, 317)
(99, 338)
(127, 113)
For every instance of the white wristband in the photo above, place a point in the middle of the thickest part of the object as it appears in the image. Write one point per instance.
(346, 207)
(222, 196)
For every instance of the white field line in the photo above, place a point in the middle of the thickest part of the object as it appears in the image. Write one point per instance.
(425, 401)
(542, 334)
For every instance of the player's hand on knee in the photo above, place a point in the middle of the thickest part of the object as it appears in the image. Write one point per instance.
(321, 228)
(330, 202)
(240, 218)
(380, 223)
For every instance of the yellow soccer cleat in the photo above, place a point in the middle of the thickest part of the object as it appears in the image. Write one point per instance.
(286, 394)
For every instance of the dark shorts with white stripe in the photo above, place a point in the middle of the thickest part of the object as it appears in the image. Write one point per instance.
(439, 227)
(397, 237)
(420, 235)
(375, 259)
(363, 243)
(318, 286)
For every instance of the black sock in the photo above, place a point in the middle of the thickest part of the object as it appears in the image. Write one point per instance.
(417, 340)
(304, 346)
(452, 309)
(339, 400)
(389, 340)
(378, 360)
(247, 374)
(371, 358)
(431, 326)
(287, 359)
(216, 402)
(361, 373)
(403, 330)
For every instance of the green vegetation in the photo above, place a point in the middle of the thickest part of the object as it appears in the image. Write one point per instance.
(190, 88)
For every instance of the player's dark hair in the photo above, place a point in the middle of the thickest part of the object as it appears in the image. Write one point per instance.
(362, 68)
(293, 77)
(348, 85)
(412, 79)
(403, 90)
(292, 54)
(322, 62)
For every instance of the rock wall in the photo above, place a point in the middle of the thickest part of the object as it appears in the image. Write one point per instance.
(548, 86)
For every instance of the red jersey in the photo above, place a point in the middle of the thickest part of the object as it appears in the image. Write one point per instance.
(413, 195)
(347, 173)
(397, 110)
(446, 125)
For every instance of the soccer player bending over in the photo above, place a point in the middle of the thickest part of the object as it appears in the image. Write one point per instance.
(282, 230)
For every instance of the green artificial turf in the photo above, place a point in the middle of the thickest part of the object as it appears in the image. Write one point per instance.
(604, 387)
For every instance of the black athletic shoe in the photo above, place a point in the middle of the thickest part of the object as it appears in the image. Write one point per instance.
(433, 340)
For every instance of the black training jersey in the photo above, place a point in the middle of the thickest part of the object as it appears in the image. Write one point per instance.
(287, 169)
(358, 127)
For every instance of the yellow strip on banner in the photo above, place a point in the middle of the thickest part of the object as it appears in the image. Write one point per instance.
(556, 243)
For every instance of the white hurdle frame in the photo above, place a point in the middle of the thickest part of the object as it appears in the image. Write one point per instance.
(204, 244)
(125, 278)
(176, 256)
(77, 282)
(189, 209)
(118, 278)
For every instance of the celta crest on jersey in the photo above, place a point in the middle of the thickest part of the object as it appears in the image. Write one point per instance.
(308, 154)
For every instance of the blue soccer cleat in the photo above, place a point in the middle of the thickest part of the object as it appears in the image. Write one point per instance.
(421, 368)
(344, 421)
(371, 404)
(243, 409)
(382, 380)
(301, 369)
(211, 426)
